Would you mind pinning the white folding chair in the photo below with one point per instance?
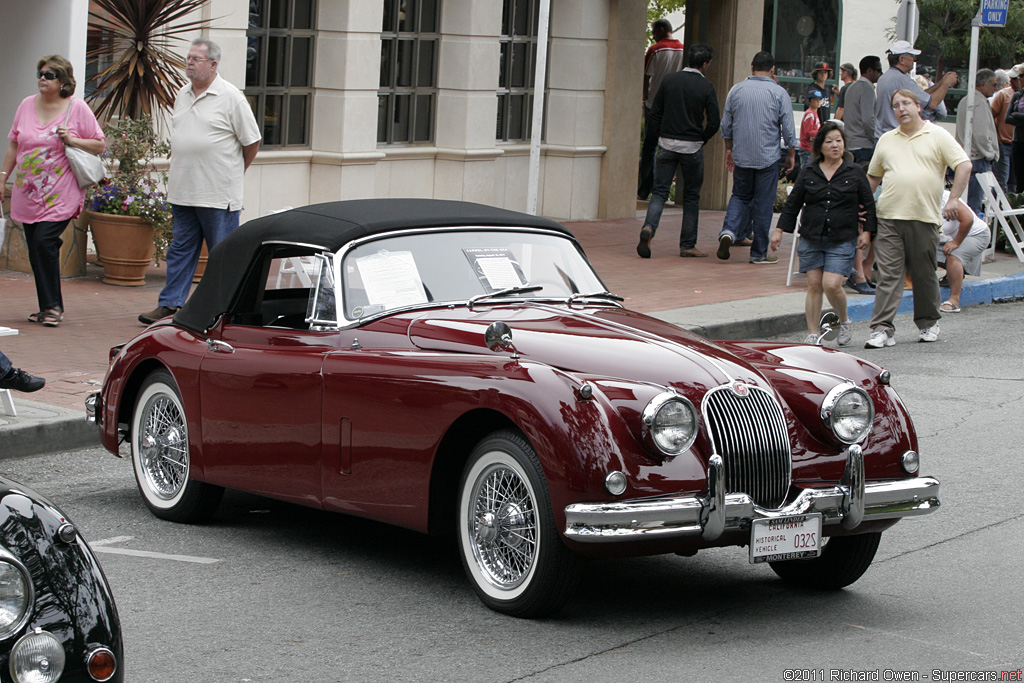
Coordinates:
(6, 401)
(796, 241)
(1000, 214)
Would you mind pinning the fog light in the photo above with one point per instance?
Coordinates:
(615, 483)
(37, 657)
(911, 462)
(102, 664)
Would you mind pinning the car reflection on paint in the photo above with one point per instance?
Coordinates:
(455, 368)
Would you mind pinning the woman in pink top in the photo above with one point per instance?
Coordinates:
(46, 195)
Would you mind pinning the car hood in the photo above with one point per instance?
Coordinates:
(596, 341)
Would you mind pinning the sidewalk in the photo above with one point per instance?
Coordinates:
(721, 299)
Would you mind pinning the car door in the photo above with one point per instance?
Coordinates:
(261, 390)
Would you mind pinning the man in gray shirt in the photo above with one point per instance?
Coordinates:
(859, 110)
(902, 56)
(984, 151)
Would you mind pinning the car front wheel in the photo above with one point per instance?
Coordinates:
(161, 458)
(843, 560)
(508, 541)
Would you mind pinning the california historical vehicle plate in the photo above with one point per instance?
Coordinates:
(785, 538)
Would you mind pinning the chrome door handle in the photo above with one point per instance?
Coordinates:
(217, 346)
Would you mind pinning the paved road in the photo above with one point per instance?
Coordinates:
(273, 592)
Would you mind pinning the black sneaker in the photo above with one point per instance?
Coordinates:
(19, 380)
(157, 313)
(644, 248)
(724, 242)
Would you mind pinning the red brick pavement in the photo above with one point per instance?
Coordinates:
(73, 356)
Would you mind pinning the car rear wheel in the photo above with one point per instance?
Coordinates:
(161, 458)
(843, 560)
(508, 541)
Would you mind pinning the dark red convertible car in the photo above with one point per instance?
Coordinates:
(451, 367)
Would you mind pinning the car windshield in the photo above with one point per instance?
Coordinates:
(445, 266)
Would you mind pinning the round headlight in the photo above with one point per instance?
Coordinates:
(16, 596)
(37, 657)
(671, 423)
(848, 411)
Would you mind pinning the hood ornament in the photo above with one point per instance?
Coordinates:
(739, 388)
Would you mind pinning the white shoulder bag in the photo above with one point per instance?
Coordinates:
(88, 168)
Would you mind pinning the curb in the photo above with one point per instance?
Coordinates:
(41, 428)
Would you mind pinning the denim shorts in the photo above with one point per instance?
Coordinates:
(833, 257)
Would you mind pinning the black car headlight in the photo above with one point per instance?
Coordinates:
(848, 411)
(670, 423)
(16, 595)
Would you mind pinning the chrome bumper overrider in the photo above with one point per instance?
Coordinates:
(92, 403)
(708, 517)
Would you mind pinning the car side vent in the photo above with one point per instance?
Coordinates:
(748, 430)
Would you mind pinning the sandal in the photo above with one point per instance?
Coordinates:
(51, 318)
(36, 317)
(949, 307)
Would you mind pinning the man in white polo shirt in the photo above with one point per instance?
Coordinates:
(214, 138)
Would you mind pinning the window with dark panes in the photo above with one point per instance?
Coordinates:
(407, 95)
(516, 69)
(799, 34)
(279, 69)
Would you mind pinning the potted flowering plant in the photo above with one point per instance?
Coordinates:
(129, 215)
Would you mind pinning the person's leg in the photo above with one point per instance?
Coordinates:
(664, 170)
(812, 304)
(889, 254)
(975, 195)
(955, 273)
(1017, 159)
(182, 256)
(691, 177)
(645, 176)
(922, 241)
(832, 284)
(737, 213)
(5, 364)
(44, 242)
(216, 225)
(1002, 167)
(766, 182)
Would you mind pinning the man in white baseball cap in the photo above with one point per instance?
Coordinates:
(902, 56)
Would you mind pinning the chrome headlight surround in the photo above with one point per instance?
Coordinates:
(670, 424)
(17, 594)
(848, 411)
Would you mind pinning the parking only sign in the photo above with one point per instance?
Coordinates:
(993, 12)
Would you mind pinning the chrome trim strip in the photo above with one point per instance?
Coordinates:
(853, 484)
(92, 404)
(681, 517)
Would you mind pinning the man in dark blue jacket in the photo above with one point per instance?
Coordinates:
(684, 117)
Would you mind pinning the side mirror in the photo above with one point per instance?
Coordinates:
(498, 337)
(828, 327)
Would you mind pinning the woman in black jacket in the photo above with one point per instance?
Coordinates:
(1015, 117)
(832, 191)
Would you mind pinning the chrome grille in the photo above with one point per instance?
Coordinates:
(749, 432)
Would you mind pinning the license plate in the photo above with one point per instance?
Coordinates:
(785, 538)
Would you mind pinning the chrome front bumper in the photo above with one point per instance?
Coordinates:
(708, 517)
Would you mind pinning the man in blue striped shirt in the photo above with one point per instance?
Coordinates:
(758, 114)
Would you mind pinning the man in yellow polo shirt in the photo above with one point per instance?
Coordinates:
(912, 159)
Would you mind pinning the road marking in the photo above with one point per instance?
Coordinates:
(101, 547)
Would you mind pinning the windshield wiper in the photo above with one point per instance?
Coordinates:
(594, 295)
(504, 292)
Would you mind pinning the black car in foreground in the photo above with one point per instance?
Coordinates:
(58, 621)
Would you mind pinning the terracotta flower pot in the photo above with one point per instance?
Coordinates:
(126, 243)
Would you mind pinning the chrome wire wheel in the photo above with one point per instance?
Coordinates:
(161, 457)
(163, 446)
(509, 545)
(503, 525)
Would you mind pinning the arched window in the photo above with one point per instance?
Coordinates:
(800, 33)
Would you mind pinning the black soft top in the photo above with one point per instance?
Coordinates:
(330, 226)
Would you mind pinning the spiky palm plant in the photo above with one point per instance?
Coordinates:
(139, 37)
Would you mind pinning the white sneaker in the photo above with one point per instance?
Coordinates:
(879, 339)
(845, 335)
(811, 339)
(929, 334)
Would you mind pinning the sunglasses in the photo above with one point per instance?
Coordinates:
(48, 75)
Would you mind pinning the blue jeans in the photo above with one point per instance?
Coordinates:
(1004, 167)
(5, 364)
(753, 195)
(688, 184)
(975, 195)
(192, 225)
(863, 155)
